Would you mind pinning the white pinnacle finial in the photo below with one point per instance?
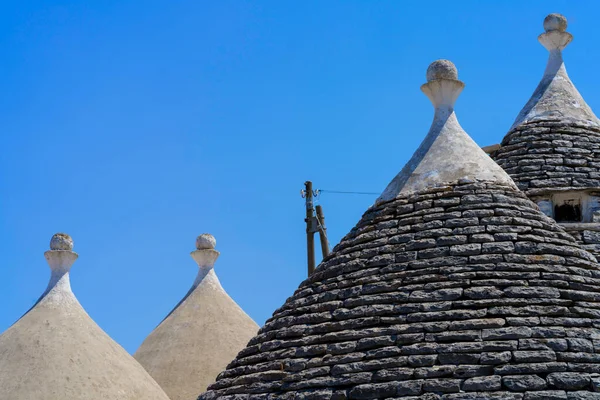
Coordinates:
(60, 258)
(205, 254)
(443, 86)
(556, 36)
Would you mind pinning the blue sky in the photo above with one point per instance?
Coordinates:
(134, 126)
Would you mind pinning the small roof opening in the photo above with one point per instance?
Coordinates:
(568, 211)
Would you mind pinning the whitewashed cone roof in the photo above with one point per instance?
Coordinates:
(447, 153)
(200, 336)
(57, 352)
(556, 97)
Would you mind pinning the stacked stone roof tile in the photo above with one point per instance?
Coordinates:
(551, 155)
(461, 290)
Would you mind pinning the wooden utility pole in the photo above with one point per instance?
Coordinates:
(310, 237)
(314, 223)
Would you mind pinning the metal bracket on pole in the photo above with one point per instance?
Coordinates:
(313, 225)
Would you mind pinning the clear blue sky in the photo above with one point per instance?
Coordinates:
(134, 126)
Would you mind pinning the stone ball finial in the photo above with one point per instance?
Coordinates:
(61, 241)
(205, 241)
(442, 69)
(555, 22)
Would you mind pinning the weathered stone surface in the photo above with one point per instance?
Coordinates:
(482, 383)
(534, 356)
(546, 395)
(521, 383)
(568, 380)
(583, 396)
(373, 391)
(494, 358)
(442, 385)
(506, 333)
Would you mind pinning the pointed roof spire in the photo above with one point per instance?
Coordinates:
(56, 351)
(200, 336)
(556, 97)
(447, 154)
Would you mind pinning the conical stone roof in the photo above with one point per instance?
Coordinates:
(459, 290)
(57, 352)
(200, 336)
(554, 142)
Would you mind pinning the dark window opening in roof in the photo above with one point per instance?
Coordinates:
(568, 211)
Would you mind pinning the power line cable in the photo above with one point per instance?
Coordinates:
(344, 192)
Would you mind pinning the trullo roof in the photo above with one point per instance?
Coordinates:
(554, 142)
(457, 289)
(200, 336)
(57, 352)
